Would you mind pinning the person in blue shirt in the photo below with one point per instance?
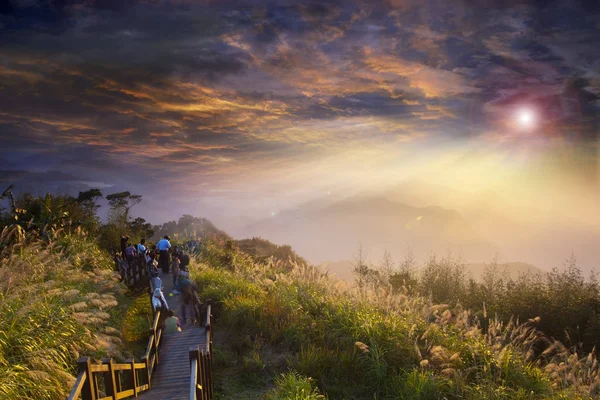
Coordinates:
(141, 247)
(163, 247)
(142, 251)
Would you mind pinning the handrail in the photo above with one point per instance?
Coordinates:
(86, 384)
(201, 385)
(78, 386)
(193, 374)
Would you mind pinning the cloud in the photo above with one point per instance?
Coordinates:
(218, 91)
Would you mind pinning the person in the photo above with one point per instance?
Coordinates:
(124, 240)
(158, 300)
(152, 263)
(184, 260)
(131, 254)
(175, 272)
(188, 289)
(142, 252)
(155, 280)
(159, 303)
(172, 323)
(163, 247)
(141, 248)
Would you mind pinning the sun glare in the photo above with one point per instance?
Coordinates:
(525, 118)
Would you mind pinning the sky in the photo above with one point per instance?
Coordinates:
(243, 109)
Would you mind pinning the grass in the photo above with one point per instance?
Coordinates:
(60, 300)
(369, 344)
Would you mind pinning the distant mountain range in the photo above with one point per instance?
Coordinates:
(334, 231)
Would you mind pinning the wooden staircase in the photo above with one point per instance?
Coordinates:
(176, 365)
(172, 377)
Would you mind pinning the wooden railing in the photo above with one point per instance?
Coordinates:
(134, 273)
(118, 381)
(138, 375)
(111, 380)
(201, 383)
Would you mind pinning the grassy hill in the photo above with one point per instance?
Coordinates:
(261, 250)
(285, 332)
(59, 300)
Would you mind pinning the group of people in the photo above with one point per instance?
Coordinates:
(169, 259)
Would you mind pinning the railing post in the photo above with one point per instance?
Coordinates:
(148, 375)
(109, 379)
(134, 377)
(205, 395)
(194, 376)
(209, 383)
(88, 392)
(153, 347)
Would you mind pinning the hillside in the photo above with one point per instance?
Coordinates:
(261, 250)
(334, 231)
(287, 333)
(187, 227)
(59, 300)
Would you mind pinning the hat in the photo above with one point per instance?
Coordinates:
(157, 292)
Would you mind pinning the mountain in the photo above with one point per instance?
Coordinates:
(334, 231)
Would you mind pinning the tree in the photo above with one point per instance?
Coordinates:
(140, 228)
(88, 200)
(87, 203)
(386, 267)
(364, 275)
(121, 204)
(9, 194)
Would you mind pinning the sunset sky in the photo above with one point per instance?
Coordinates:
(251, 107)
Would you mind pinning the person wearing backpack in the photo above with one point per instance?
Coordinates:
(187, 289)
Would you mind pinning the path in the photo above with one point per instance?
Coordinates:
(171, 380)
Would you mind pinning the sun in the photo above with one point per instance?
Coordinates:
(525, 118)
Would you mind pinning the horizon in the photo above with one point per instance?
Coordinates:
(255, 115)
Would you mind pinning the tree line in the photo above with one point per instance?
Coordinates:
(565, 300)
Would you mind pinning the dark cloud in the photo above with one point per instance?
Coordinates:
(155, 89)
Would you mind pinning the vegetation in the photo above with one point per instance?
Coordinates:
(60, 299)
(262, 250)
(188, 227)
(59, 293)
(567, 304)
(287, 331)
(369, 342)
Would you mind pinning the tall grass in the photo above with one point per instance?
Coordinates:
(365, 344)
(59, 301)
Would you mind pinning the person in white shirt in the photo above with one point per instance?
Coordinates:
(158, 300)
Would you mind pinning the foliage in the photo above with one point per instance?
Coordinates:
(371, 342)
(120, 205)
(59, 300)
(261, 250)
(138, 320)
(292, 386)
(45, 213)
(188, 227)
